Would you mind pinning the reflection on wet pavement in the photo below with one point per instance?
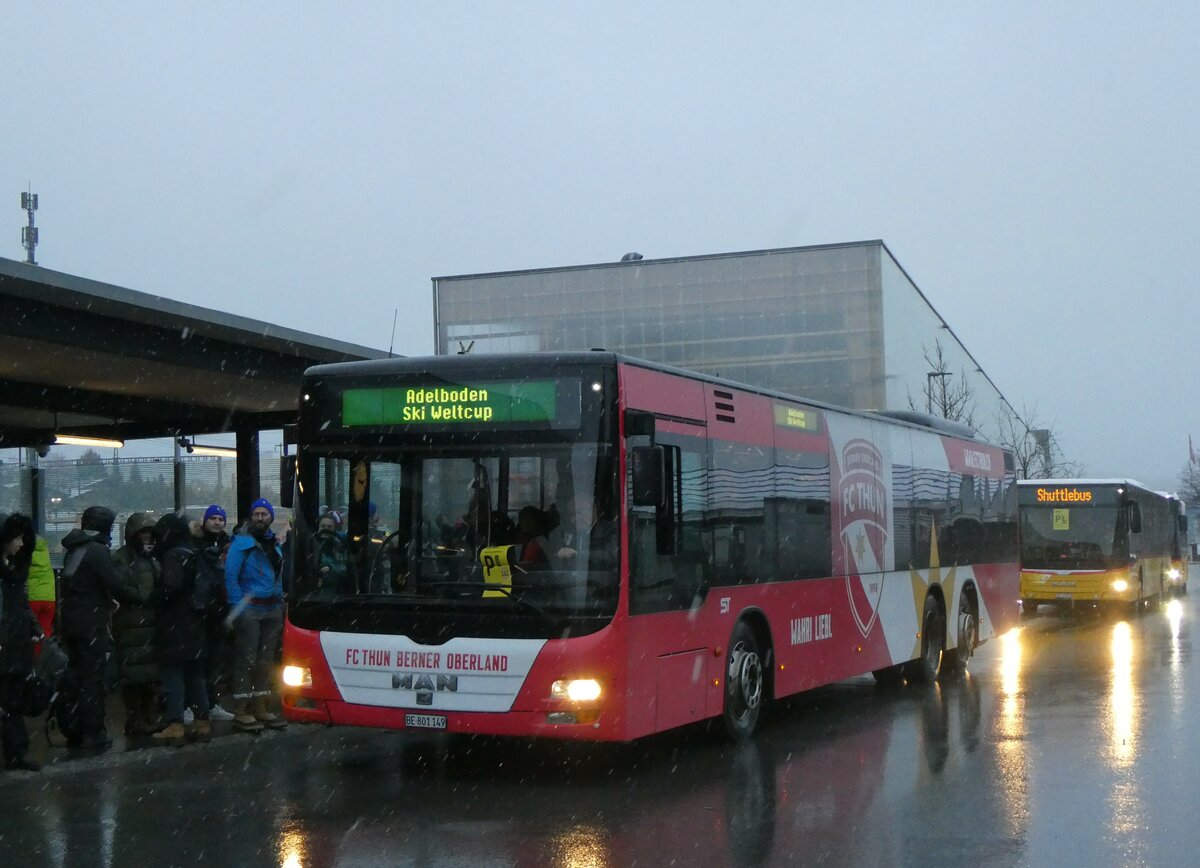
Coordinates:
(1069, 742)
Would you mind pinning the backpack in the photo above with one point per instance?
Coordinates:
(64, 714)
(208, 583)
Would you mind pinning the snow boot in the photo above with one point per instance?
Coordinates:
(174, 734)
(243, 720)
(265, 716)
(201, 731)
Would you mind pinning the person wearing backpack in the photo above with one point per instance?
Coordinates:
(255, 589)
(18, 631)
(179, 632)
(91, 590)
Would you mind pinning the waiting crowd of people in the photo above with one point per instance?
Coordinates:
(180, 611)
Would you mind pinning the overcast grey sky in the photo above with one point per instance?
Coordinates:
(1033, 166)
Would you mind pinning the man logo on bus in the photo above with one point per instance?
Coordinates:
(864, 528)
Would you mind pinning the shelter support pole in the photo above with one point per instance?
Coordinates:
(180, 479)
(37, 491)
(247, 473)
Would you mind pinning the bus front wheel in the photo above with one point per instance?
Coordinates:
(743, 683)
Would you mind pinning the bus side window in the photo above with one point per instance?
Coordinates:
(668, 546)
(741, 480)
(797, 519)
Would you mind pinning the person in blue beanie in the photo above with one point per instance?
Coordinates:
(255, 590)
(212, 542)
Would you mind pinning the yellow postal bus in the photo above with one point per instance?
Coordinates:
(1094, 542)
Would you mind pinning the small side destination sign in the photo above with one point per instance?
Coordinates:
(794, 417)
(452, 404)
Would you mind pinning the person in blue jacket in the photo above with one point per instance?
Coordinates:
(253, 582)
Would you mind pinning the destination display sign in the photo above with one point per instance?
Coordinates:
(546, 402)
(797, 417)
(1067, 495)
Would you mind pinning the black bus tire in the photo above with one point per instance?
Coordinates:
(745, 682)
(967, 628)
(928, 666)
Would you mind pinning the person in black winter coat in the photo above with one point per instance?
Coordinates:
(90, 589)
(19, 630)
(180, 637)
(133, 627)
(212, 542)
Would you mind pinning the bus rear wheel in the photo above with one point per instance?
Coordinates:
(744, 681)
(968, 632)
(928, 666)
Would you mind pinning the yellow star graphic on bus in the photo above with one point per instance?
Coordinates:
(921, 586)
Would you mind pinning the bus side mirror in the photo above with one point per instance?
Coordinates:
(287, 480)
(639, 423)
(1135, 518)
(649, 476)
(1183, 523)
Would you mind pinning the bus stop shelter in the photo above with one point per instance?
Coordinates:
(82, 358)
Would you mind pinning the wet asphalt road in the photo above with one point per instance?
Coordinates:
(1072, 744)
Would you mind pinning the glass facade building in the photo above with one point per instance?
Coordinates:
(843, 323)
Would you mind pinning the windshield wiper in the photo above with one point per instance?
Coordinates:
(520, 598)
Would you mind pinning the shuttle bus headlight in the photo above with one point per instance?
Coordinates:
(1120, 586)
(577, 690)
(1173, 574)
(297, 676)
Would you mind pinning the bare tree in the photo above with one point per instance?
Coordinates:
(944, 393)
(1189, 483)
(1034, 445)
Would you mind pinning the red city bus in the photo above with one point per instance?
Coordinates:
(588, 546)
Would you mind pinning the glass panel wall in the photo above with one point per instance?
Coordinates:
(805, 321)
(913, 338)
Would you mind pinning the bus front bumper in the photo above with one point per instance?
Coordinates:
(574, 723)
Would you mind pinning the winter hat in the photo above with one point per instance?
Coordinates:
(98, 518)
(171, 530)
(214, 510)
(136, 523)
(12, 527)
(265, 504)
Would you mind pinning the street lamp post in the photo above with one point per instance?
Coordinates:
(929, 389)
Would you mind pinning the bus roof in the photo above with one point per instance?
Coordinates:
(421, 364)
(1083, 481)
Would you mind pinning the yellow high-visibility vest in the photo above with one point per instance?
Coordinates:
(41, 574)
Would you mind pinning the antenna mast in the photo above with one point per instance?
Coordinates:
(29, 234)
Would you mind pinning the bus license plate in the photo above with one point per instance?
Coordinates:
(1063, 596)
(425, 721)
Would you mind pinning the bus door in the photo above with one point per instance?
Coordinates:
(668, 575)
(668, 543)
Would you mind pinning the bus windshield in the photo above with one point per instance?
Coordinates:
(1087, 538)
(522, 529)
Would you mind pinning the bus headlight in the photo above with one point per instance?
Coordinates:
(578, 690)
(297, 676)
(1173, 574)
(1120, 586)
